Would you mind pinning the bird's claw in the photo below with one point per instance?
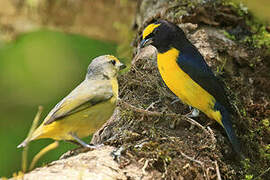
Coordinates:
(116, 154)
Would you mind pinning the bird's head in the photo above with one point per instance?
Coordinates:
(106, 66)
(162, 35)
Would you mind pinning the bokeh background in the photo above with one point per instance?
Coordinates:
(45, 48)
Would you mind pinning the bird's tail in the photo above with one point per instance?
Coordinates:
(31, 137)
(226, 121)
(227, 124)
(24, 143)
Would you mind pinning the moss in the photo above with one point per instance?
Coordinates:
(243, 111)
(241, 9)
(267, 152)
(127, 115)
(247, 168)
(265, 122)
(259, 37)
(150, 146)
(248, 177)
(263, 152)
(180, 13)
(230, 36)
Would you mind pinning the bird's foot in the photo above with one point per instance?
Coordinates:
(116, 154)
(83, 144)
(92, 146)
(194, 112)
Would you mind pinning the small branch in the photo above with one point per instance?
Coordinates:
(198, 162)
(155, 113)
(145, 166)
(197, 124)
(32, 129)
(192, 159)
(42, 152)
(263, 173)
(217, 171)
(151, 105)
(139, 110)
(212, 136)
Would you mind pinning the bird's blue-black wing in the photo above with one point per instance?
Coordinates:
(191, 62)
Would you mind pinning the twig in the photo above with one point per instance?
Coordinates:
(155, 113)
(42, 152)
(196, 123)
(165, 168)
(217, 171)
(145, 166)
(139, 110)
(150, 106)
(263, 173)
(32, 129)
(198, 162)
(212, 136)
(207, 172)
(191, 159)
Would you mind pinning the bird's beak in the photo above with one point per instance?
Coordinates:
(146, 42)
(122, 66)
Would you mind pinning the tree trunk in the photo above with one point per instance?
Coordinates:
(155, 140)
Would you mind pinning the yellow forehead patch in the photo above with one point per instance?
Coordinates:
(149, 29)
(113, 57)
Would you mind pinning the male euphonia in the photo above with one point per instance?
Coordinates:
(187, 75)
(86, 108)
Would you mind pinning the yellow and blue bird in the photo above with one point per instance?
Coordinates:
(185, 72)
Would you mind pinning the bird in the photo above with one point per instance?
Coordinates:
(187, 75)
(86, 108)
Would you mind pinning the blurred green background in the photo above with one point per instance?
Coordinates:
(45, 50)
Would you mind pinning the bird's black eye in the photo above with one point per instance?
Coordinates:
(113, 62)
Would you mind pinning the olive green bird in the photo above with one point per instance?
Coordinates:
(86, 108)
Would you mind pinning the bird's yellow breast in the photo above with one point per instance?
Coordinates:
(181, 84)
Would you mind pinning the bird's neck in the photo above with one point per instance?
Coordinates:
(181, 44)
(114, 84)
(98, 76)
(162, 49)
(178, 43)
